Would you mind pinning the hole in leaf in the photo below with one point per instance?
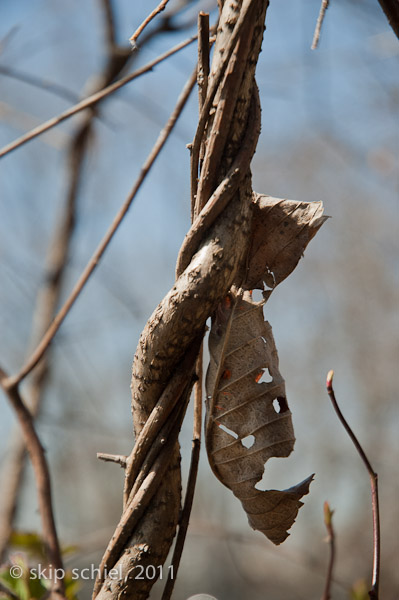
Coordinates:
(229, 431)
(264, 376)
(276, 474)
(257, 295)
(280, 404)
(248, 441)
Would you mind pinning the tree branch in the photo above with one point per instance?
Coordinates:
(91, 100)
(161, 6)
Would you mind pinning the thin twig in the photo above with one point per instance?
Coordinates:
(93, 99)
(93, 262)
(191, 483)
(203, 58)
(161, 6)
(328, 513)
(319, 24)
(42, 476)
(203, 71)
(119, 459)
(373, 593)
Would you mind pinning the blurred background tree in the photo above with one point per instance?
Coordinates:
(329, 132)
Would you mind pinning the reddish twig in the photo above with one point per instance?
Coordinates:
(93, 262)
(93, 99)
(161, 6)
(373, 593)
(42, 475)
(319, 24)
(328, 513)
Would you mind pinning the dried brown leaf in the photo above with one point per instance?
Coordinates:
(281, 231)
(242, 409)
(248, 420)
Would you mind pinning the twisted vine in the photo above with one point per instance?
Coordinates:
(212, 259)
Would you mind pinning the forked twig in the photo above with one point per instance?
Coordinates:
(373, 593)
(93, 99)
(319, 24)
(93, 262)
(161, 6)
(328, 513)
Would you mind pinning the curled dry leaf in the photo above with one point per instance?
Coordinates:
(248, 420)
(281, 231)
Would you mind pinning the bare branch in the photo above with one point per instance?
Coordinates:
(43, 482)
(373, 593)
(93, 262)
(91, 100)
(161, 6)
(319, 24)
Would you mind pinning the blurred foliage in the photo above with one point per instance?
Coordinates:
(21, 578)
